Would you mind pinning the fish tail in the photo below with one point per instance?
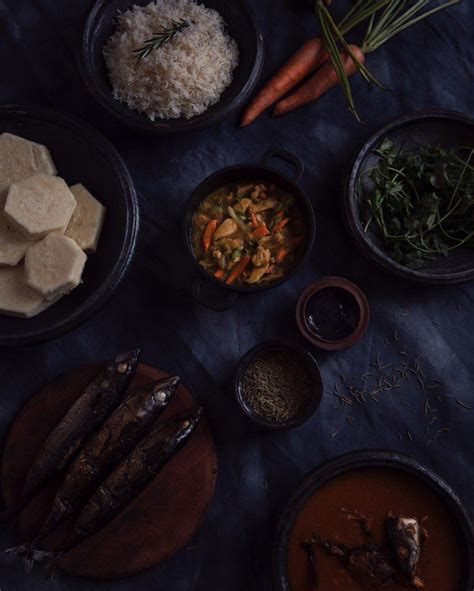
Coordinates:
(30, 555)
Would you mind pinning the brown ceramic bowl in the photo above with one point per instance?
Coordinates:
(340, 332)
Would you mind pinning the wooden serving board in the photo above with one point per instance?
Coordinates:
(160, 521)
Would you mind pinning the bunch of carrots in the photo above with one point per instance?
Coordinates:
(329, 60)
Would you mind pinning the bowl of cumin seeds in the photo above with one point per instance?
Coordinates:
(278, 386)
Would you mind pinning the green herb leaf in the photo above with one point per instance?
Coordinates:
(420, 203)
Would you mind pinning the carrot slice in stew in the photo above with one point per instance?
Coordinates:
(209, 233)
(238, 270)
(261, 231)
(280, 257)
(279, 227)
(219, 274)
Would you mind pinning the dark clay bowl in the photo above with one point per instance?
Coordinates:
(357, 300)
(436, 127)
(211, 292)
(242, 26)
(81, 155)
(364, 459)
(313, 369)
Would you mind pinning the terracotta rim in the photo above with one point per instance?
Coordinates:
(355, 292)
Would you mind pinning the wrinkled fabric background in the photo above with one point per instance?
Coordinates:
(430, 66)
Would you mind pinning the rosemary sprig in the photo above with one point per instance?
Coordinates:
(159, 39)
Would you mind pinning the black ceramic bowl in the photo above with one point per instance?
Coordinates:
(82, 155)
(210, 291)
(438, 128)
(312, 367)
(363, 459)
(242, 26)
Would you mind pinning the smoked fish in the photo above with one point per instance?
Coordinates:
(126, 482)
(107, 448)
(84, 417)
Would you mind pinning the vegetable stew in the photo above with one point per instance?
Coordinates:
(248, 233)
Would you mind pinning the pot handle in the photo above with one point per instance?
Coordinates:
(211, 296)
(286, 157)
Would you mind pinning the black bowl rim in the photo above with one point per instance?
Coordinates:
(139, 121)
(366, 458)
(368, 248)
(312, 364)
(311, 221)
(117, 273)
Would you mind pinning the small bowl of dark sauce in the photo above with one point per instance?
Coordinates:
(278, 386)
(332, 313)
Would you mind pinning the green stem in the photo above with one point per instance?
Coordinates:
(336, 59)
(454, 207)
(382, 34)
(360, 67)
(356, 15)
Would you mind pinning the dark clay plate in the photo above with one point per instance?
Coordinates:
(364, 459)
(436, 127)
(242, 26)
(84, 156)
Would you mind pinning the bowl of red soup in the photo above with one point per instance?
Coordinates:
(373, 519)
(248, 228)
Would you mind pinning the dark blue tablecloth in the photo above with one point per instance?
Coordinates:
(431, 66)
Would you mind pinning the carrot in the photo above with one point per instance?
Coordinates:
(279, 227)
(219, 274)
(281, 255)
(261, 231)
(304, 61)
(208, 234)
(238, 269)
(322, 81)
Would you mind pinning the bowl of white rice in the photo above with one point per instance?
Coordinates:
(171, 66)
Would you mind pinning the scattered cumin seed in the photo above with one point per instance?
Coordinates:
(427, 407)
